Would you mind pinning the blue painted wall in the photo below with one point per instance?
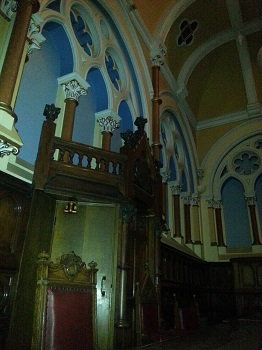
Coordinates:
(236, 218)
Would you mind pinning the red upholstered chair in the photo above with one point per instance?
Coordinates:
(65, 304)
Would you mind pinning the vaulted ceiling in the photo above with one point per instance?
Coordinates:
(212, 52)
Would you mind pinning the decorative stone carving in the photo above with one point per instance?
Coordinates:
(6, 149)
(108, 123)
(217, 204)
(73, 89)
(251, 200)
(35, 43)
(186, 200)
(194, 201)
(157, 54)
(176, 189)
(8, 7)
(200, 173)
(210, 203)
(165, 173)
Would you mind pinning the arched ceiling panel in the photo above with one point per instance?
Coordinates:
(216, 85)
(254, 42)
(207, 27)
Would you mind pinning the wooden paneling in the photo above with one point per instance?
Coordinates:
(14, 212)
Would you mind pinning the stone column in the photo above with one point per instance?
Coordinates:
(251, 202)
(211, 222)
(10, 69)
(108, 125)
(176, 190)
(187, 217)
(127, 212)
(74, 86)
(156, 102)
(219, 226)
(15, 49)
(194, 201)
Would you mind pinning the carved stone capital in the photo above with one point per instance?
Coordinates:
(165, 173)
(108, 124)
(9, 7)
(194, 201)
(251, 200)
(217, 204)
(186, 200)
(176, 189)
(73, 85)
(210, 203)
(34, 35)
(157, 54)
(73, 89)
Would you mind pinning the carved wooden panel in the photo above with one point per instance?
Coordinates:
(14, 212)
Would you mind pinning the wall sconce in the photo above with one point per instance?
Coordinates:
(71, 207)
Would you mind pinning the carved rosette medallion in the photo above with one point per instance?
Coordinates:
(71, 264)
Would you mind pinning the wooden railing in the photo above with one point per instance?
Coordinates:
(87, 157)
(60, 161)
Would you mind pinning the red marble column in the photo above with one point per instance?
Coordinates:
(219, 226)
(251, 202)
(69, 118)
(187, 217)
(15, 50)
(156, 102)
(176, 209)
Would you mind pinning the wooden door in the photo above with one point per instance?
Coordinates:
(92, 234)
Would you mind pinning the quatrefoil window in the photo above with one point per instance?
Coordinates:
(187, 30)
(82, 32)
(112, 70)
(246, 163)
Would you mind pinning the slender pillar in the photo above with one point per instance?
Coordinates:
(156, 102)
(15, 50)
(108, 125)
(74, 87)
(10, 142)
(127, 211)
(195, 219)
(187, 216)
(251, 202)
(211, 222)
(219, 226)
(176, 190)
